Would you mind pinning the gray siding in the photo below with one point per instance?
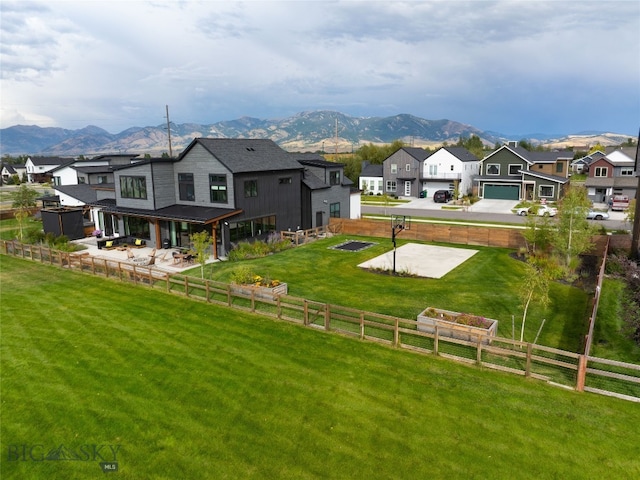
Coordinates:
(201, 163)
(163, 187)
(137, 171)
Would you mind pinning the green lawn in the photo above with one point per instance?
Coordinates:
(191, 390)
(487, 284)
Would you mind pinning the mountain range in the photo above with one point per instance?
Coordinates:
(317, 131)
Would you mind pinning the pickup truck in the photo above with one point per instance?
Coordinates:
(540, 210)
(619, 202)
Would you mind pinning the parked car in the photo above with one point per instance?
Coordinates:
(595, 215)
(540, 210)
(619, 202)
(442, 196)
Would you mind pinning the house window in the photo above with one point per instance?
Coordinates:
(626, 172)
(452, 168)
(391, 186)
(545, 191)
(380, 184)
(433, 170)
(102, 179)
(407, 167)
(285, 181)
(394, 168)
(515, 169)
(56, 181)
(81, 181)
(600, 172)
(133, 187)
(218, 188)
(334, 177)
(185, 187)
(493, 169)
(250, 188)
(559, 167)
(334, 210)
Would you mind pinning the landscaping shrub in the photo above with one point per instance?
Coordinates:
(621, 266)
(258, 248)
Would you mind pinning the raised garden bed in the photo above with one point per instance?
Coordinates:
(259, 291)
(463, 326)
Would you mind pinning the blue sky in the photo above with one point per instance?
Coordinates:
(514, 67)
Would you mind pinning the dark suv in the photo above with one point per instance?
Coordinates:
(442, 196)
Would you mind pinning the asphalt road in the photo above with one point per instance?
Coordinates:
(473, 216)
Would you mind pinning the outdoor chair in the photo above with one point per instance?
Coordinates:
(130, 254)
(153, 253)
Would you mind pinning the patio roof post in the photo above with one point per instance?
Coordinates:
(214, 240)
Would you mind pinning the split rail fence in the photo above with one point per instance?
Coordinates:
(558, 367)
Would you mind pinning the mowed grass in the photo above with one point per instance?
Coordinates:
(487, 284)
(191, 390)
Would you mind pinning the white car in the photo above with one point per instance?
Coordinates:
(542, 211)
(595, 215)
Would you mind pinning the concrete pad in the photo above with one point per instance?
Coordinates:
(429, 261)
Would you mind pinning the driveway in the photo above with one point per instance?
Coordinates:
(493, 206)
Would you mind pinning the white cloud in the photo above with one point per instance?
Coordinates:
(510, 66)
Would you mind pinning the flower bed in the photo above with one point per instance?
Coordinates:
(259, 291)
(463, 326)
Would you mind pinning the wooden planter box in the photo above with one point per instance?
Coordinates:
(448, 326)
(270, 293)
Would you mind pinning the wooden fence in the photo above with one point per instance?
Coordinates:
(558, 367)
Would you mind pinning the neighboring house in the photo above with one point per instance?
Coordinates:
(513, 173)
(97, 170)
(235, 189)
(449, 168)
(402, 172)
(371, 179)
(611, 175)
(325, 193)
(39, 168)
(8, 171)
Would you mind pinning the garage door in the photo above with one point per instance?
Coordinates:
(502, 192)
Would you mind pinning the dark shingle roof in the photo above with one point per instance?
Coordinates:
(83, 192)
(371, 170)
(241, 155)
(50, 160)
(417, 152)
(461, 154)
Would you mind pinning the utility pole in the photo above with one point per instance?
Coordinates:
(169, 132)
(635, 235)
(336, 152)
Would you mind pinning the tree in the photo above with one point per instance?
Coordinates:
(537, 234)
(573, 232)
(596, 148)
(201, 242)
(536, 281)
(473, 144)
(23, 199)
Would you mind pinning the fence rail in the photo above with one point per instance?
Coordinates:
(558, 367)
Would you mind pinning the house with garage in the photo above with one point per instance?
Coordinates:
(514, 173)
(39, 168)
(402, 172)
(449, 168)
(613, 174)
(95, 171)
(325, 191)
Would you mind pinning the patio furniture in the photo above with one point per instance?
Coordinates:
(130, 254)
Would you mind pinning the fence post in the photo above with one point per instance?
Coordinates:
(527, 371)
(186, 285)
(327, 315)
(479, 351)
(435, 340)
(361, 325)
(582, 373)
(305, 319)
(207, 290)
(396, 332)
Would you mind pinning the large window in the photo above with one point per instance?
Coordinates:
(514, 169)
(251, 188)
(433, 170)
(133, 187)
(334, 177)
(545, 191)
(334, 210)
(218, 188)
(257, 227)
(559, 167)
(600, 172)
(186, 187)
(626, 172)
(493, 169)
(391, 186)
